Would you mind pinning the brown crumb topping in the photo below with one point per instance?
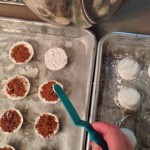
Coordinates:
(10, 121)
(48, 93)
(46, 125)
(16, 87)
(20, 53)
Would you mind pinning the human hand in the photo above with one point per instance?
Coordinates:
(113, 136)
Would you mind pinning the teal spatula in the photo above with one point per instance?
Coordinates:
(94, 135)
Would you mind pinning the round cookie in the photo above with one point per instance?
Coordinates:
(129, 98)
(17, 87)
(47, 94)
(46, 125)
(130, 135)
(128, 69)
(11, 121)
(6, 147)
(21, 52)
(55, 59)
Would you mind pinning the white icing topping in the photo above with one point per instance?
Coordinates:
(55, 59)
(128, 69)
(129, 98)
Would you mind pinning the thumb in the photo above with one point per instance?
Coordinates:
(95, 146)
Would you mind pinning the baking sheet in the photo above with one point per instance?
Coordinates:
(112, 48)
(12, 2)
(76, 78)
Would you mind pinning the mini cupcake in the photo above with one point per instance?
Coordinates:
(11, 121)
(46, 125)
(55, 59)
(6, 147)
(21, 52)
(17, 87)
(46, 92)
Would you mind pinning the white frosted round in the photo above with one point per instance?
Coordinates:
(130, 135)
(55, 59)
(128, 69)
(30, 49)
(6, 146)
(129, 98)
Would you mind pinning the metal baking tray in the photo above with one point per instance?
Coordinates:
(112, 48)
(80, 46)
(12, 2)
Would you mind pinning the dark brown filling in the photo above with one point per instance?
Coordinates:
(46, 125)
(16, 87)
(5, 148)
(48, 93)
(10, 121)
(20, 53)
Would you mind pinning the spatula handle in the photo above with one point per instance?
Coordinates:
(96, 137)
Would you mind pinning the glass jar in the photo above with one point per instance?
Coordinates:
(74, 13)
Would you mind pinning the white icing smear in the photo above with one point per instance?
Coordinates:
(3, 55)
(30, 72)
